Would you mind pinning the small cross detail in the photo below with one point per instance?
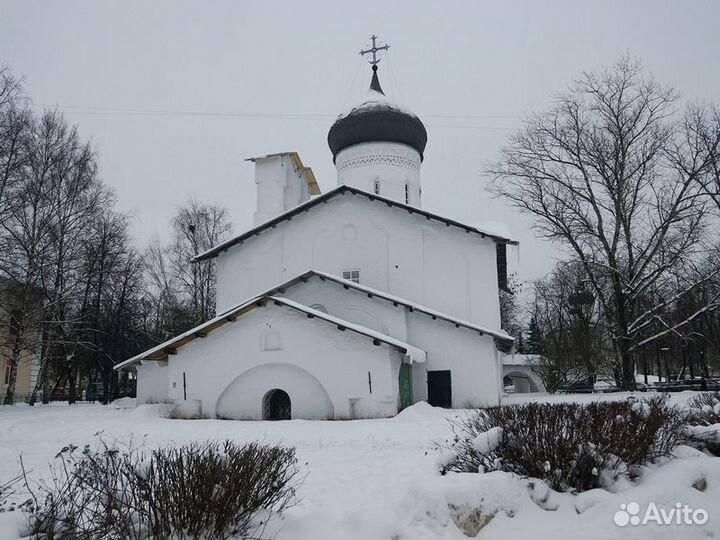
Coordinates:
(374, 50)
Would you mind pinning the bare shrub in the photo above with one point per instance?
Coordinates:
(7, 490)
(216, 490)
(203, 490)
(572, 446)
(89, 495)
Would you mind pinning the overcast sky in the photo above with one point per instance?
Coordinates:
(271, 76)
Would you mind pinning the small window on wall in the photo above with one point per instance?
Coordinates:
(271, 341)
(377, 187)
(352, 275)
(6, 378)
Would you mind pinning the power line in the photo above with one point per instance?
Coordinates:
(77, 109)
(120, 111)
(261, 115)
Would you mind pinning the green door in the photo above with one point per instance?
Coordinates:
(405, 385)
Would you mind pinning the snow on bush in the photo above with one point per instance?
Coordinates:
(572, 446)
(704, 420)
(488, 441)
(704, 409)
(202, 490)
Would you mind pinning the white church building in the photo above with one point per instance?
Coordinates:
(353, 303)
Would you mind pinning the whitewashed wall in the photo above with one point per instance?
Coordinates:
(279, 187)
(324, 370)
(424, 261)
(152, 382)
(471, 357)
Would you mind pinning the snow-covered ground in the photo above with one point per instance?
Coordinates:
(377, 479)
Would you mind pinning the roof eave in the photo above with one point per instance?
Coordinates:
(169, 347)
(498, 336)
(286, 216)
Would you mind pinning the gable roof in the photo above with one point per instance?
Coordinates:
(498, 335)
(326, 197)
(169, 347)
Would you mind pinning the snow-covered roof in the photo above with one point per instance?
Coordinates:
(377, 119)
(326, 197)
(521, 359)
(373, 100)
(169, 347)
(396, 300)
(499, 228)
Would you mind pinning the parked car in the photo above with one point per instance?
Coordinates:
(588, 386)
(580, 387)
(59, 394)
(604, 386)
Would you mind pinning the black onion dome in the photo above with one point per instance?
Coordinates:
(377, 120)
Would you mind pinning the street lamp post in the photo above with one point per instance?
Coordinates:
(665, 361)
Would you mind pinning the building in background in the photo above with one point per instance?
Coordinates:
(28, 344)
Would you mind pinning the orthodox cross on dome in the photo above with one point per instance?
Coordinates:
(374, 50)
(375, 83)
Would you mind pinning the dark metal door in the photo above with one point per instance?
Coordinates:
(439, 388)
(276, 405)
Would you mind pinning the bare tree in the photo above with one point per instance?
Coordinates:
(701, 126)
(15, 122)
(55, 195)
(26, 240)
(612, 174)
(197, 227)
(76, 197)
(15, 128)
(72, 286)
(182, 293)
(683, 319)
(108, 304)
(569, 330)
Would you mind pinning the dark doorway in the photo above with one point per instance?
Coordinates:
(439, 388)
(276, 405)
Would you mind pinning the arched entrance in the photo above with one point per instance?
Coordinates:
(244, 397)
(520, 381)
(276, 405)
